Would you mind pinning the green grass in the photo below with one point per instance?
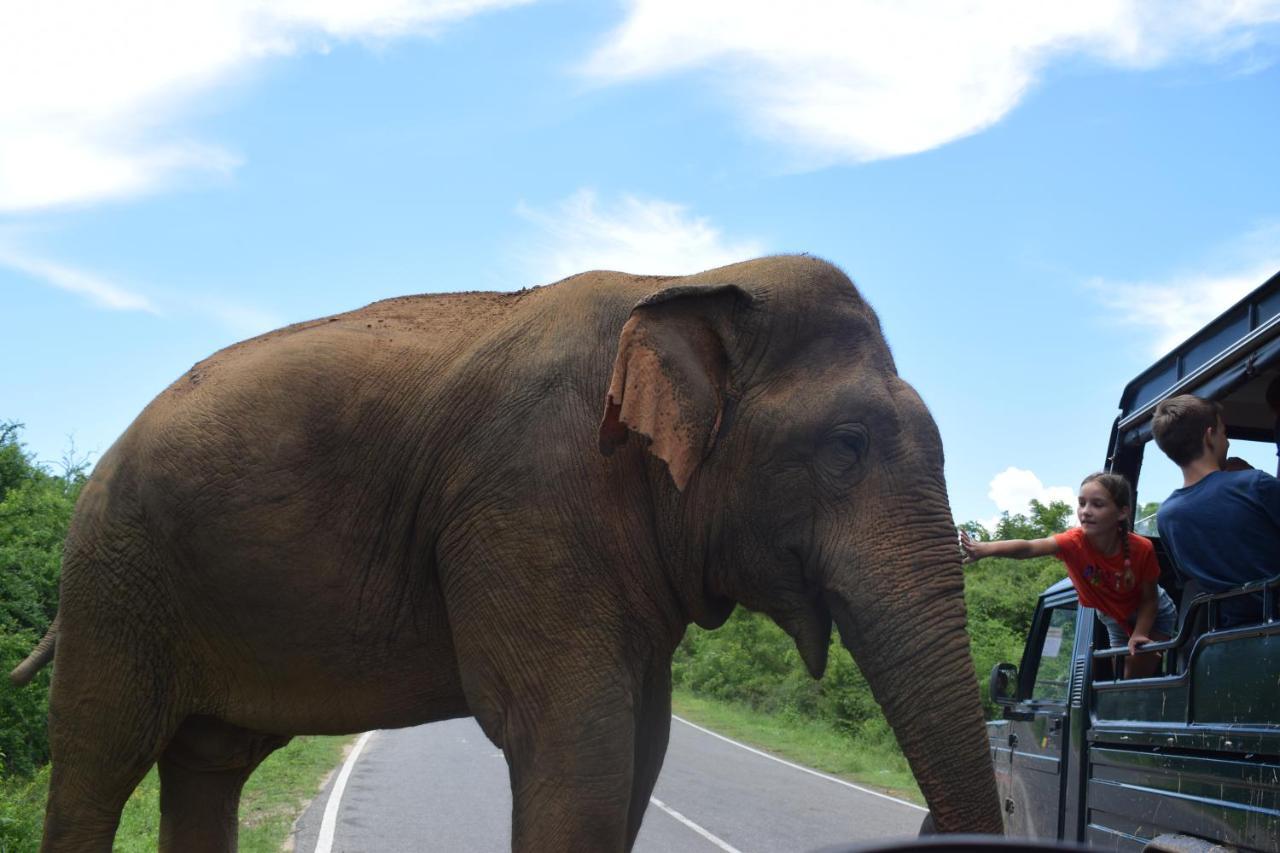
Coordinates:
(871, 758)
(280, 789)
(272, 800)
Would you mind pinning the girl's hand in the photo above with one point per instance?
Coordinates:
(1136, 640)
(973, 551)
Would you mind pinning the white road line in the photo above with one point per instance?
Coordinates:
(798, 767)
(722, 844)
(329, 823)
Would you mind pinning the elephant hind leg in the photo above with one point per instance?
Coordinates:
(104, 734)
(85, 803)
(202, 773)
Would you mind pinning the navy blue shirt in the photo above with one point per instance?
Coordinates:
(1278, 447)
(1224, 531)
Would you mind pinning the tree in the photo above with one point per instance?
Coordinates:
(1000, 594)
(1041, 520)
(35, 508)
(1054, 518)
(1144, 520)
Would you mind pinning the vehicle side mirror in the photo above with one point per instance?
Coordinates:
(1004, 684)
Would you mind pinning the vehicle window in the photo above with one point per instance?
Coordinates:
(1053, 674)
(1159, 477)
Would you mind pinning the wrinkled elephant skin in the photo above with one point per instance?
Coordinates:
(507, 505)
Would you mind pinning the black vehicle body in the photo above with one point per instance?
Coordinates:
(1192, 755)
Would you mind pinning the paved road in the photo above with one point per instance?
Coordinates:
(444, 786)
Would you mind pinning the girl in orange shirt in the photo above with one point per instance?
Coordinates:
(1113, 570)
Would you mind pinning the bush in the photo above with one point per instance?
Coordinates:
(22, 811)
(1005, 591)
(1000, 596)
(24, 740)
(35, 508)
(752, 662)
(746, 660)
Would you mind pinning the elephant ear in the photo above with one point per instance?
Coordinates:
(670, 379)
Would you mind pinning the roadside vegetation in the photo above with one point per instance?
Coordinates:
(745, 679)
(35, 506)
(275, 795)
(273, 798)
(874, 762)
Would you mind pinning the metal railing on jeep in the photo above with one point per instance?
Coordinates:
(1203, 615)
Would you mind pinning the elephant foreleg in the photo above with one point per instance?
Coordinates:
(202, 772)
(569, 796)
(571, 765)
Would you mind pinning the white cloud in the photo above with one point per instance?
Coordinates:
(97, 290)
(89, 92)
(240, 319)
(1172, 309)
(1013, 489)
(857, 80)
(636, 235)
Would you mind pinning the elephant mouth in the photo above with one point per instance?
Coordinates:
(715, 611)
(842, 615)
(813, 635)
(808, 617)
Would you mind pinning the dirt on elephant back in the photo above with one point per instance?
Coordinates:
(424, 318)
(439, 313)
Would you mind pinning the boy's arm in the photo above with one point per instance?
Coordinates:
(1145, 619)
(1268, 490)
(1015, 549)
(1269, 494)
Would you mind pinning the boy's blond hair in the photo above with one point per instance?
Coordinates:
(1180, 424)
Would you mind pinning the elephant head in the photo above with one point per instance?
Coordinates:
(806, 481)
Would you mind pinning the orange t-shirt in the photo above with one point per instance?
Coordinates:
(1100, 579)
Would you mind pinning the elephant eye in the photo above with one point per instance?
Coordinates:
(847, 445)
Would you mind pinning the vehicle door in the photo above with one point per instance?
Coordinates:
(1037, 724)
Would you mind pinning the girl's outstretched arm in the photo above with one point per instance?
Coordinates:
(1016, 549)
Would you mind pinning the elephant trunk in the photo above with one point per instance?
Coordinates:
(907, 633)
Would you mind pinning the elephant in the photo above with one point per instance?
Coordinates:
(507, 505)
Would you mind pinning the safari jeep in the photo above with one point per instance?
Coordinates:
(1190, 758)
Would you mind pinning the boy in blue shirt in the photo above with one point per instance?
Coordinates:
(1222, 528)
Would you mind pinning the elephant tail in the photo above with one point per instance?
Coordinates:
(43, 653)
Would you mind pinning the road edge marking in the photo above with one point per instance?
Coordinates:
(329, 823)
(719, 842)
(799, 767)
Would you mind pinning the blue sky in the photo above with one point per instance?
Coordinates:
(1038, 201)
